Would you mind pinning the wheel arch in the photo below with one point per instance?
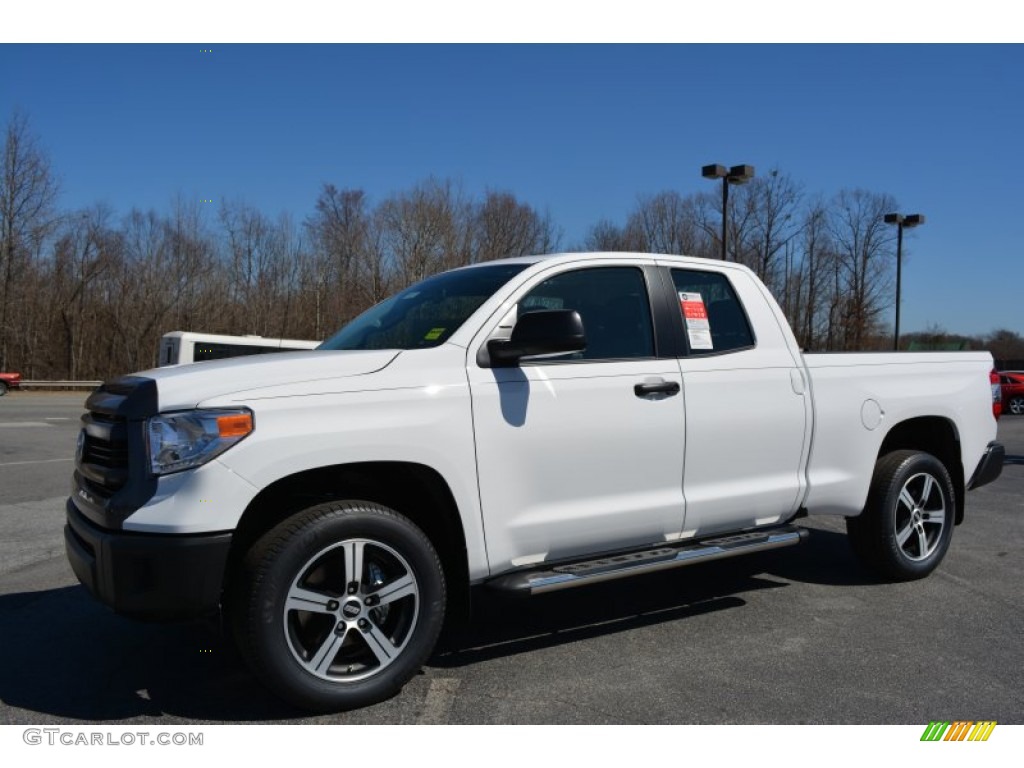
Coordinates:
(939, 437)
(415, 491)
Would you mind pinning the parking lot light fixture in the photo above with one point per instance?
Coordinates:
(901, 221)
(737, 174)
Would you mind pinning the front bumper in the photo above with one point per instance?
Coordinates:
(157, 577)
(990, 466)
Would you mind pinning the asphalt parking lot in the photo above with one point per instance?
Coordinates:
(801, 635)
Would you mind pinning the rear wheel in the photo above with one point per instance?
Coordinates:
(3, 388)
(907, 524)
(342, 605)
(1017, 405)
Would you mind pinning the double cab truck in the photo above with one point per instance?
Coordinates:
(527, 425)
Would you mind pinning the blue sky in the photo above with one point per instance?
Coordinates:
(576, 130)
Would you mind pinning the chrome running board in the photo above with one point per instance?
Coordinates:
(634, 563)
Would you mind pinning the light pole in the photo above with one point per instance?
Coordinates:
(738, 174)
(901, 221)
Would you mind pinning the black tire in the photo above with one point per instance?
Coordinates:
(907, 524)
(1016, 406)
(3, 388)
(357, 643)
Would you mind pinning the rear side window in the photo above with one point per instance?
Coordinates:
(713, 317)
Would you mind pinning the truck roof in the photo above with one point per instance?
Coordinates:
(574, 255)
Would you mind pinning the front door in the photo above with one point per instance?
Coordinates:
(582, 453)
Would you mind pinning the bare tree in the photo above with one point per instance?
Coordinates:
(774, 201)
(665, 223)
(340, 231)
(505, 227)
(809, 286)
(606, 236)
(193, 270)
(142, 288)
(28, 191)
(1007, 347)
(83, 251)
(134, 295)
(287, 278)
(739, 225)
(427, 230)
(92, 298)
(255, 261)
(864, 247)
(375, 272)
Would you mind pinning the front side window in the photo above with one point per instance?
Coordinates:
(614, 307)
(713, 317)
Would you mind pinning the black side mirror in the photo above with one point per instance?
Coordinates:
(541, 332)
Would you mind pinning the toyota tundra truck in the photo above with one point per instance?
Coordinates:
(527, 425)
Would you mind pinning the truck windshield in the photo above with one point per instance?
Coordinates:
(425, 314)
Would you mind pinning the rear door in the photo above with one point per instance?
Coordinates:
(747, 408)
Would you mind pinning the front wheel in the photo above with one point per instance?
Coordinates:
(3, 388)
(341, 606)
(907, 524)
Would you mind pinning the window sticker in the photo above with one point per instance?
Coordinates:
(434, 334)
(695, 316)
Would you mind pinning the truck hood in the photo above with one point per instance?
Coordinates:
(186, 386)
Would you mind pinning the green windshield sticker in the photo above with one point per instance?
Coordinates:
(434, 334)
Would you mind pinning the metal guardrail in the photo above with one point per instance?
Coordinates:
(59, 384)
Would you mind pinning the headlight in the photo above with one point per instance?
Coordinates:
(188, 439)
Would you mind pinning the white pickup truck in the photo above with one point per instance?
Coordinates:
(530, 425)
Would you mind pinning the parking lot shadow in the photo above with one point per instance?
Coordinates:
(826, 558)
(68, 657)
(504, 626)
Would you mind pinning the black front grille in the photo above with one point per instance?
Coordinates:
(104, 459)
(110, 455)
(112, 478)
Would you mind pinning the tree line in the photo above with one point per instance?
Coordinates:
(86, 294)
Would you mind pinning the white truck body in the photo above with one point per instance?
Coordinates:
(552, 460)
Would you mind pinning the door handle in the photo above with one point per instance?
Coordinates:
(656, 388)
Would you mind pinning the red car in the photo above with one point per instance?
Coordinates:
(1012, 383)
(9, 381)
